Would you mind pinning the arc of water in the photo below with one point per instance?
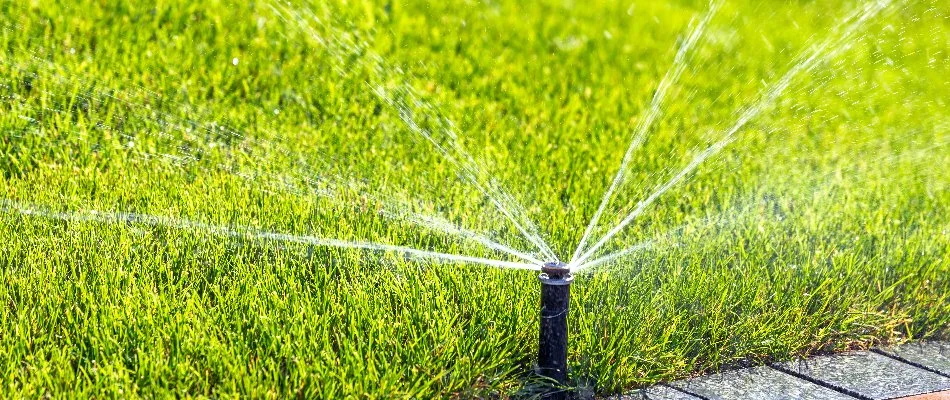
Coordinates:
(397, 212)
(807, 62)
(730, 218)
(448, 227)
(469, 170)
(10, 206)
(644, 124)
(175, 123)
(454, 152)
(713, 221)
(614, 256)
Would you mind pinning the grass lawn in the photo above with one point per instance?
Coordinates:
(170, 172)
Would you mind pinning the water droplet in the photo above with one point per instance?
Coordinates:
(234, 61)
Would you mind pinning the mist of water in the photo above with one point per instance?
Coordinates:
(829, 47)
(246, 232)
(264, 150)
(429, 123)
(438, 130)
(654, 110)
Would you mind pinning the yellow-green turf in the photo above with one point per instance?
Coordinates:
(823, 227)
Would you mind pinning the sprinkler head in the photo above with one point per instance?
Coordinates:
(552, 345)
(555, 271)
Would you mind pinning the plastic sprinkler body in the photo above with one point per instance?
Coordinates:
(552, 348)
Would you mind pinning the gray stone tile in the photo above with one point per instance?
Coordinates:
(869, 374)
(656, 393)
(761, 383)
(933, 355)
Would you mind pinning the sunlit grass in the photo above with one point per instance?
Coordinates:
(823, 227)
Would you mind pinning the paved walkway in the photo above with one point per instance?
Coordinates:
(913, 371)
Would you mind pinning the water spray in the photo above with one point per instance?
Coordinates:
(556, 281)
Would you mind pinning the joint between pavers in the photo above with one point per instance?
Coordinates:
(898, 358)
(818, 382)
(682, 390)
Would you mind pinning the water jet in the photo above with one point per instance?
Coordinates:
(556, 281)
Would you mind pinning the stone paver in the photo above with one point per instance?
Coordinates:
(656, 393)
(932, 355)
(761, 383)
(913, 371)
(868, 375)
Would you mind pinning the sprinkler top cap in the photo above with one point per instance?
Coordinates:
(556, 270)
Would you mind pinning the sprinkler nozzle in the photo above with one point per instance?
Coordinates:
(555, 270)
(556, 281)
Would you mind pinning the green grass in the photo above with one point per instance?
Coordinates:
(824, 227)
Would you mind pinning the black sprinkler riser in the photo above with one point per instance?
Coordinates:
(552, 348)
